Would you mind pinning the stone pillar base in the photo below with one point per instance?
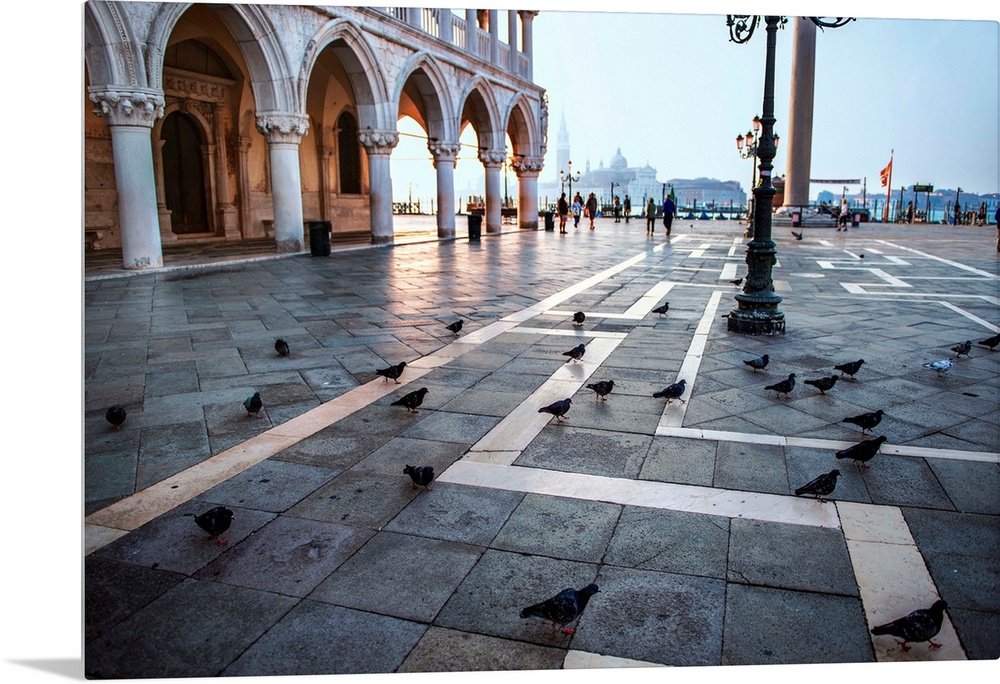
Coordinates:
(381, 239)
(766, 321)
(166, 222)
(228, 223)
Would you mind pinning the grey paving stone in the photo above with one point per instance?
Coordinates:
(358, 498)
(193, 630)
(484, 402)
(573, 529)
(447, 650)
(771, 626)
(470, 515)
(903, 481)
(978, 631)
(751, 467)
(788, 556)
(461, 428)
(804, 464)
(971, 487)
(684, 461)
(392, 457)
(333, 447)
(399, 575)
(169, 449)
(115, 590)
(582, 450)
(670, 541)
(635, 415)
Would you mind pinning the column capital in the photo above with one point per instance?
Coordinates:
(492, 158)
(444, 152)
(378, 141)
(282, 127)
(527, 167)
(128, 107)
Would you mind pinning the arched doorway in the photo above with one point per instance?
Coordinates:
(348, 154)
(184, 174)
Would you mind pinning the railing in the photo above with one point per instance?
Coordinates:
(430, 22)
(522, 65)
(397, 12)
(482, 43)
(458, 32)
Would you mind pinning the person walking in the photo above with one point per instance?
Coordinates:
(577, 209)
(845, 211)
(669, 209)
(617, 207)
(562, 206)
(650, 216)
(627, 208)
(909, 212)
(592, 209)
(981, 216)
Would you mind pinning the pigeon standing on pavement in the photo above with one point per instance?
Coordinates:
(759, 363)
(253, 405)
(562, 608)
(579, 317)
(737, 282)
(672, 392)
(920, 625)
(116, 416)
(559, 409)
(821, 486)
(392, 372)
(602, 388)
(851, 368)
(942, 366)
(420, 475)
(784, 387)
(963, 348)
(823, 384)
(281, 347)
(662, 309)
(455, 327)
(412, 400)
(576, 353)
(862, 452)
(866, 421)
(991, 342)
(215, 522)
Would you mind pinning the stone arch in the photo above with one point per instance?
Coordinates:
(479, 107)
(521, 127)
(422, 75)
(111, 50)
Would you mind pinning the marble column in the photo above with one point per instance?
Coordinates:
(492, 161)
(325, 154)
(130, 115)
(243, 186)
(494, 38)
(283, 133)
(800, 115)
(226, 218)
(512, 40)
(471, 34)
(379, 144)
(527, 170)
(527, 41)
(445, 155)
(166, 225)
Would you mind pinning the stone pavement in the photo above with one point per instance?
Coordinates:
(682, 513)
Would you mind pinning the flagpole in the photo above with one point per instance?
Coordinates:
(888, 190)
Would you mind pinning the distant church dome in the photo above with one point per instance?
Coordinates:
(618, 162)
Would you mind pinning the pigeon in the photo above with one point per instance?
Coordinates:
(821, 486)
(991, 342)
(866, 421)
(215, 522)
(579, 317)
(920, 625)
(662, 310)
(253, 405)
(558, 409)
(850, 368)
(823, 384)
(862, 452)
(412, 400)
(672, 392)
(281, 347)
(760, 363)
(963, 348)
(602, 388)
(116, 416)
(784, 387)
(798, 236)
(392, 372)
(562, 608)
(737, 282)
(942, 366)
(420, 475)
(455, 327)
(576, 353)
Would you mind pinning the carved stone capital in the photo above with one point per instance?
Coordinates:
(131, 107)
(283, 128)
(527, 167)
(378, 142)
(444, 151)
(491, 158)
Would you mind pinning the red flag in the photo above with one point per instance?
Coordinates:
(886, 172)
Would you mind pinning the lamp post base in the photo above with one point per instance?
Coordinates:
(756, 321)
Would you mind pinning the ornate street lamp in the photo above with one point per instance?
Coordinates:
(757, 310)
(567, 177)
(746, 146)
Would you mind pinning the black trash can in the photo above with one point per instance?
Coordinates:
(550, 223)
(855, 220)
(475, 226)
(319, 237)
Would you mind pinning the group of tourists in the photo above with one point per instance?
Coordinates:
(588, 208)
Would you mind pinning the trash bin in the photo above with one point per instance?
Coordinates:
(475, 226)
(550, 223)
(796, 219)
(319, 237)
(855, 220)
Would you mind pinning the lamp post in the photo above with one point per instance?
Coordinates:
(567, 177)
(757, 310)
(746, 146)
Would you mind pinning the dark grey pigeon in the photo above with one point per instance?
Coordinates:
(866, 421)
(562, 608)
(455, 327)
(215, 522)
(576, 353)
(920, 625)
(963, 348)
(672, 392)
(559, 409)
(850, 368)
(116, 416)
(991, 342)
(253, 405)
(392, 372)
(821, 486)
(737, 282)
(662, 309)
(760, 363)
(602, 388)
(412, 400)
(822, 384)
(784, 387)
(862, 452)
(798, 236)
(281, 347)
(579, 317)
(420, 475)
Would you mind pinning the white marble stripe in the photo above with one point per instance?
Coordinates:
(571, 333)
(971, 316)
(728, 271)
(582, 660)
(894, 259)
(892, 281)
(649, 301)
(875, 251)
(985, 274)
(646, 493)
